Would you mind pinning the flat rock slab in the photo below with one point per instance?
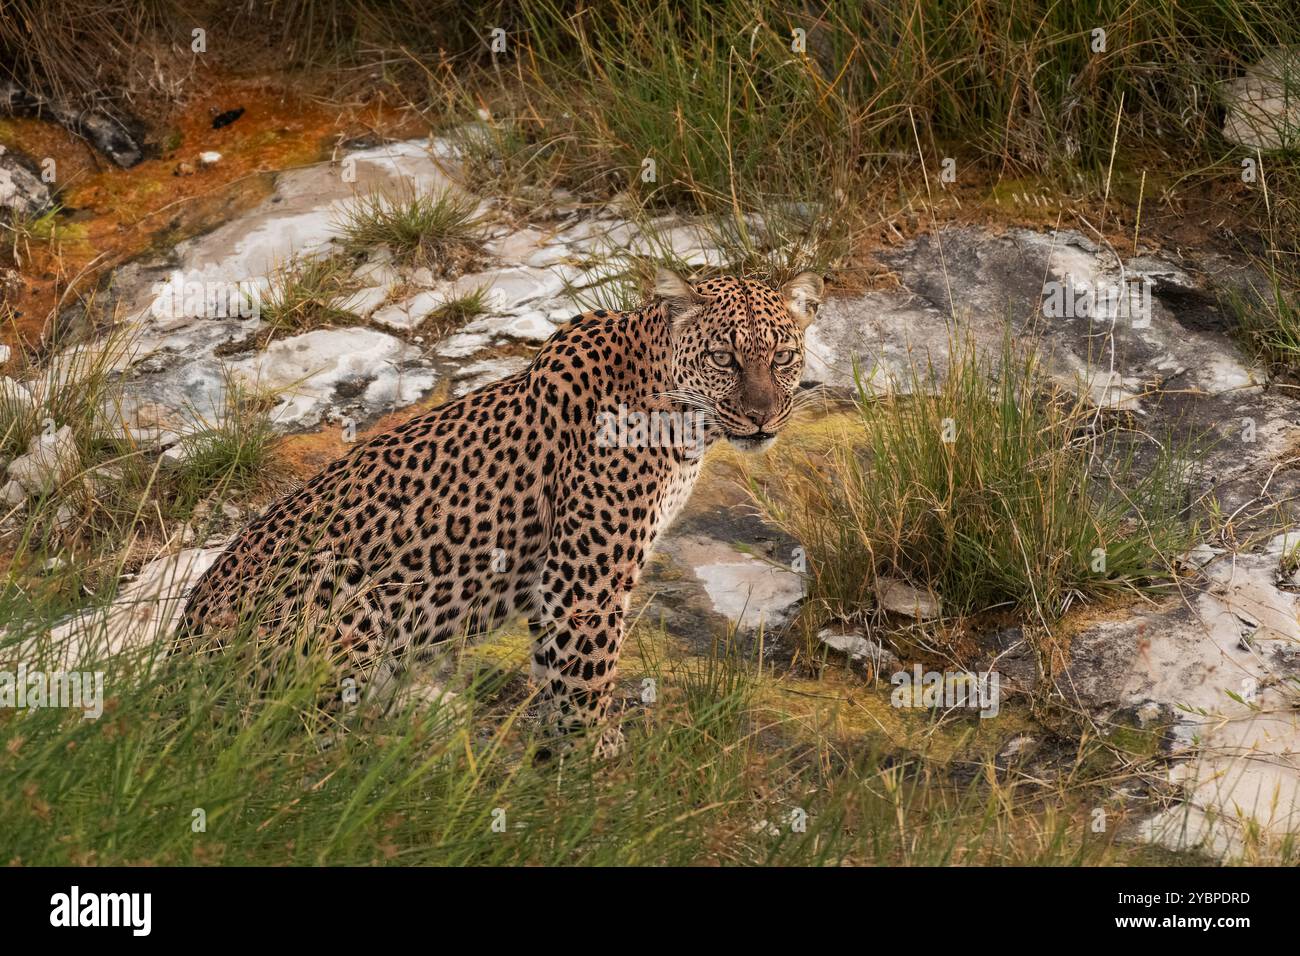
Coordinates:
(1224, 659)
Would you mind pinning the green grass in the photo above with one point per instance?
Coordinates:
(118, 498)
(824, 144)
(307, 294)
(456, 312)
(712, 777)
(1269, 322)
(987, 485)
(229, 453)
(787, 159)
(440, 230)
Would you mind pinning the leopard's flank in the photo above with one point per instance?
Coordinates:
(513, 500)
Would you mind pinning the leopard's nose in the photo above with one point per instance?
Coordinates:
(761, 419)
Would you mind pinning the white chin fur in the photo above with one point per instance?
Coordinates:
(753, 445)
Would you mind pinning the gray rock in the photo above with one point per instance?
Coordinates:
(21, 192)
(52, 458)
(1263, 107)
(858, 647)
(899, 597)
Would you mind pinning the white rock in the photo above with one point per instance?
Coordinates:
(564, 313)
(65, 517)
(143, 612)
(547, 255)
(378, 270)
(14, 394)
(50, 460)
(364, 301)
(409, 313)
(508, 290)
(1263, 110)
(209, 158)
(1201, 555)
(306, 369)
(859, 648)
(485, 372)
(899, 597)
(515, 247)
(389, 391)
(529, 327)
(750, 592)
(463, 344)
(12, 494)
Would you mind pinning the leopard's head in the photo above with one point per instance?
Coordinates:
(738, 350)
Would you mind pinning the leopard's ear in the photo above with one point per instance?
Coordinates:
(803, 295)
(676, 293)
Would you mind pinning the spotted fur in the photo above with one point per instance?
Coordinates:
(511, 501)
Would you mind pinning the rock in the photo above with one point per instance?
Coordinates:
(990, 278)
(1183, 829)
(899, 597)
(547, 256)
(1201, 555)
(21, 190)
(51, 459)
(515, 247)
(1018, 749)
(209, 158)
(563, 313)
(105, 479)
(507, 290)
(860, 648)
(13, 494)
(748, 591)
(365, 301)
(143, 612)
(65, 518)
(484, 372)
(529, 327)
(106, 133)
(1226, 697)
(14, 394)
(183, 168)
(409, 313)
(311, 370)
(1263, 109)
(463, 345)
(378, 270)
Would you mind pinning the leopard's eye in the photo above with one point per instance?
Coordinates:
(722, 358)
(783, 358)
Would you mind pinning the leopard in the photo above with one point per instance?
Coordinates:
(529, 497)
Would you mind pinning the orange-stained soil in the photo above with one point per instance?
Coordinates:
(112, 214)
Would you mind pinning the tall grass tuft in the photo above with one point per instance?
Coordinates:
(986, 484)
(308, 293)
(441, 230)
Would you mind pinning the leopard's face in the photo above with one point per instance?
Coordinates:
(738, 351)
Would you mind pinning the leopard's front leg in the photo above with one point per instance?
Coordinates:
(575, 663)
(586, 582)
